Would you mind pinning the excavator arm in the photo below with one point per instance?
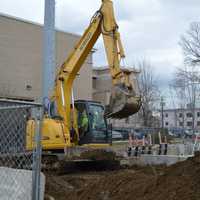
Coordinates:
(124, 101)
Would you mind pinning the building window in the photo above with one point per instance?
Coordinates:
(180, 123)
(198, 114)
(180, 115)
(28, 87)
(166, 115)
(189, 123)
(198, 123)
(189, 115)
(166, 123)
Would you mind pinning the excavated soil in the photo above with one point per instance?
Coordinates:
(177, 182)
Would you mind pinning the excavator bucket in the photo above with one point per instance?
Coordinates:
(123, 103)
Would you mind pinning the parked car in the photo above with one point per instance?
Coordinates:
(124, 133)
(116, 135)
(176, 132)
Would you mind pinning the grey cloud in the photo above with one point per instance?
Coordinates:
(30, 10)
(149, 28)
(75, 17)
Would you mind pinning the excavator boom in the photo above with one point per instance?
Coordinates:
(123, 100)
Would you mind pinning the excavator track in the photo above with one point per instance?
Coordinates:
(89, 160)
(51, 164)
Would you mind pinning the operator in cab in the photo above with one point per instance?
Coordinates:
(84, 122)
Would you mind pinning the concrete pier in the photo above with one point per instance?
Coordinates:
(144, 160)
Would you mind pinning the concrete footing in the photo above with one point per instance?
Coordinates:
(17, 184)
(144, 160)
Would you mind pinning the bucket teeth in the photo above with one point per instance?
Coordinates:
(123, 103)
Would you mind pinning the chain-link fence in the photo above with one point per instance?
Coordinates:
(20, 177)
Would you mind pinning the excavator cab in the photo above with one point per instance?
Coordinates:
(89, 128)
(92, 124)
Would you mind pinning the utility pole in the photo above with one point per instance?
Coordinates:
(48, 76)
(162, 104)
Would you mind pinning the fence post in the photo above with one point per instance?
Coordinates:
(37, 156)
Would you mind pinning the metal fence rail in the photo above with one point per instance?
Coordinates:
(19, 168)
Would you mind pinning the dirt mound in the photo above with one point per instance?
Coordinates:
(177, 182)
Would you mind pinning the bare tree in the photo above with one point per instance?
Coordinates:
(148, 90)
(186, 85)
(190, 43)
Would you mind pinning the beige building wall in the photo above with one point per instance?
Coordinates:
(21, 60)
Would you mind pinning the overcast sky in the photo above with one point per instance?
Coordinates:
(149, 29)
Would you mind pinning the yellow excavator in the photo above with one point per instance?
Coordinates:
(73, 123)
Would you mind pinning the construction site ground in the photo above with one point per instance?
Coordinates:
(180, 181)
